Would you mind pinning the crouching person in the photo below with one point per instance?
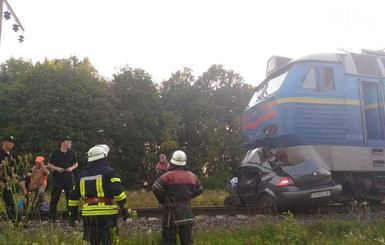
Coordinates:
(38, 182)
(98, 185)
(174, 190)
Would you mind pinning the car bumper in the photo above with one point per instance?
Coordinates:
(312, 196)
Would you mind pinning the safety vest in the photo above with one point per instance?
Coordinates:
(98, 185)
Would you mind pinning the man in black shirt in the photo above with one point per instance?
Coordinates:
(62, 162)
(5, 190)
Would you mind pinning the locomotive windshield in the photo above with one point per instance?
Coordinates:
(252, 156)
(271, 86)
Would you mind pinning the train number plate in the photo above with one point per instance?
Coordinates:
(320, 194)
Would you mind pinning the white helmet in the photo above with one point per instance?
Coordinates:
(179, 158)
(97, 152)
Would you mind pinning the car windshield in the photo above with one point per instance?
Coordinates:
(267, 89)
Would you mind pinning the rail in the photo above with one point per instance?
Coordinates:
(232, 211)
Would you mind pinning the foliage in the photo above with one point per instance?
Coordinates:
(47, 235)
(210, 198)
(290, 232)
(137, 118)
(215, 181)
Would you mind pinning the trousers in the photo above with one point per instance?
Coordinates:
(177, 219)
(101, 229)
(59, 184)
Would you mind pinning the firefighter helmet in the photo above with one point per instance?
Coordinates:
(179, 158)
(105, 148)
(97, 152)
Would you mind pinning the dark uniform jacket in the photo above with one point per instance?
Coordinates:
(100, 184)
(5, 170)
(175, 189)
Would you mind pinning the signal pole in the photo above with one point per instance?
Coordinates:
(18, 24)
(1, 17)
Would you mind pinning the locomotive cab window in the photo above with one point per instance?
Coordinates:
(327, 78)
(319, 78)
(269, 87)
(310, 80)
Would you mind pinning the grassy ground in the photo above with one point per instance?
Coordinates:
(143, 198)
(287, 231)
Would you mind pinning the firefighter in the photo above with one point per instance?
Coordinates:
(98, 185)
(174, 190)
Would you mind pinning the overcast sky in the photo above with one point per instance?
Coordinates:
(163, 36)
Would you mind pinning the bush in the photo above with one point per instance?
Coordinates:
(215, 181)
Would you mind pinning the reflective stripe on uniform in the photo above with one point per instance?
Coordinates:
(94, 213)
(156, 185)
(100, 209)
(99, 187)
(73, 203)
(115, 180)
(82, 189)
(99, 176)
(120, 197)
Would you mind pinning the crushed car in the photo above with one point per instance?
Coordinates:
(264, 182)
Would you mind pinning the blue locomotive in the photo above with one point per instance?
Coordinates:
(327, 108)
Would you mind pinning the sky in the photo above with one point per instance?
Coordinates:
(163, 36)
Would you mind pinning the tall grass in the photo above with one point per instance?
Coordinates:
(143, 198)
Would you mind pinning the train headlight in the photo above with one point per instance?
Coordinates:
(269, 130)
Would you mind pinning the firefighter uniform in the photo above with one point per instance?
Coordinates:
(174, 190)
(98, 185)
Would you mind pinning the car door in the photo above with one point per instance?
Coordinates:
(249, 177)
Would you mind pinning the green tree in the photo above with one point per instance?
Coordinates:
(139, 108)
(56, 98)
(41, 102)
(209, 110)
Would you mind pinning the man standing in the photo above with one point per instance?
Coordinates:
(98, 185)
(174, 190)
(62, 162)
(5, 173)
(162, 166)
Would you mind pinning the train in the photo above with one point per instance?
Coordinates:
(327, 108)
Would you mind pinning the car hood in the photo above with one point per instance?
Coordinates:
(309, 174)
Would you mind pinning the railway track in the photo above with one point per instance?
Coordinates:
(231, 211)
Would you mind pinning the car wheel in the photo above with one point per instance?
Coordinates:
(231, 201)
(267, 204)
